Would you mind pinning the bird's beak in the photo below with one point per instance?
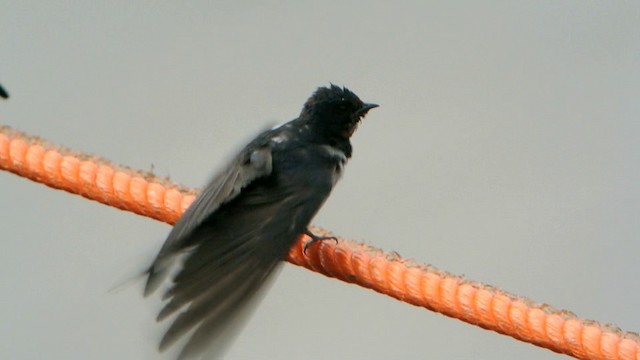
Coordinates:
(366, 107)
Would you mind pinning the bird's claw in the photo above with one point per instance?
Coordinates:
(315, 238)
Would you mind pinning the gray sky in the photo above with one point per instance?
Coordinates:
(505, 149)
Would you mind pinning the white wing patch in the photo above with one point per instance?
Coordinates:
(258, 164)
(279, 138)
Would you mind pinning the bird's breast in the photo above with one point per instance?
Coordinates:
(338, 160)
(313, 167)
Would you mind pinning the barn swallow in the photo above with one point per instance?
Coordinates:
(235, 234)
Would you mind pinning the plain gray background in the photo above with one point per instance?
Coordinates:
(506, 149)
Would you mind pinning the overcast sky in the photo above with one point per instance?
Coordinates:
(506, 149)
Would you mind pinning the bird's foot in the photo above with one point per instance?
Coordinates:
(315, 238)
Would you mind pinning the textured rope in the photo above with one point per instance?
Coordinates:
(386, 273)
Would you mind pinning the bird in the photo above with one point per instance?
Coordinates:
(3, 93)
(232, 238)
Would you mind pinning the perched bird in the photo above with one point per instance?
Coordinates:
(237, 231)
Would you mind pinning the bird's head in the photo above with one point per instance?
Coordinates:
(335, 111)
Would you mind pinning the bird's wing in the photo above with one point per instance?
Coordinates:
(234, 252)
(239, 249)
(253, 162)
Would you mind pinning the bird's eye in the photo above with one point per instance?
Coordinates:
(343, 107)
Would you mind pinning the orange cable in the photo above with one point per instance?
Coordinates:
(386, 273)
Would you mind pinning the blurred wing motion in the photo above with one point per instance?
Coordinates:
(232, 238)
(250, 164)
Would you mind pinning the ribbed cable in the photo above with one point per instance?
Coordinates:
(386, 273)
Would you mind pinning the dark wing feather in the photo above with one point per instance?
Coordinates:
(253, 162)
(234, 236)
(239, 247)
